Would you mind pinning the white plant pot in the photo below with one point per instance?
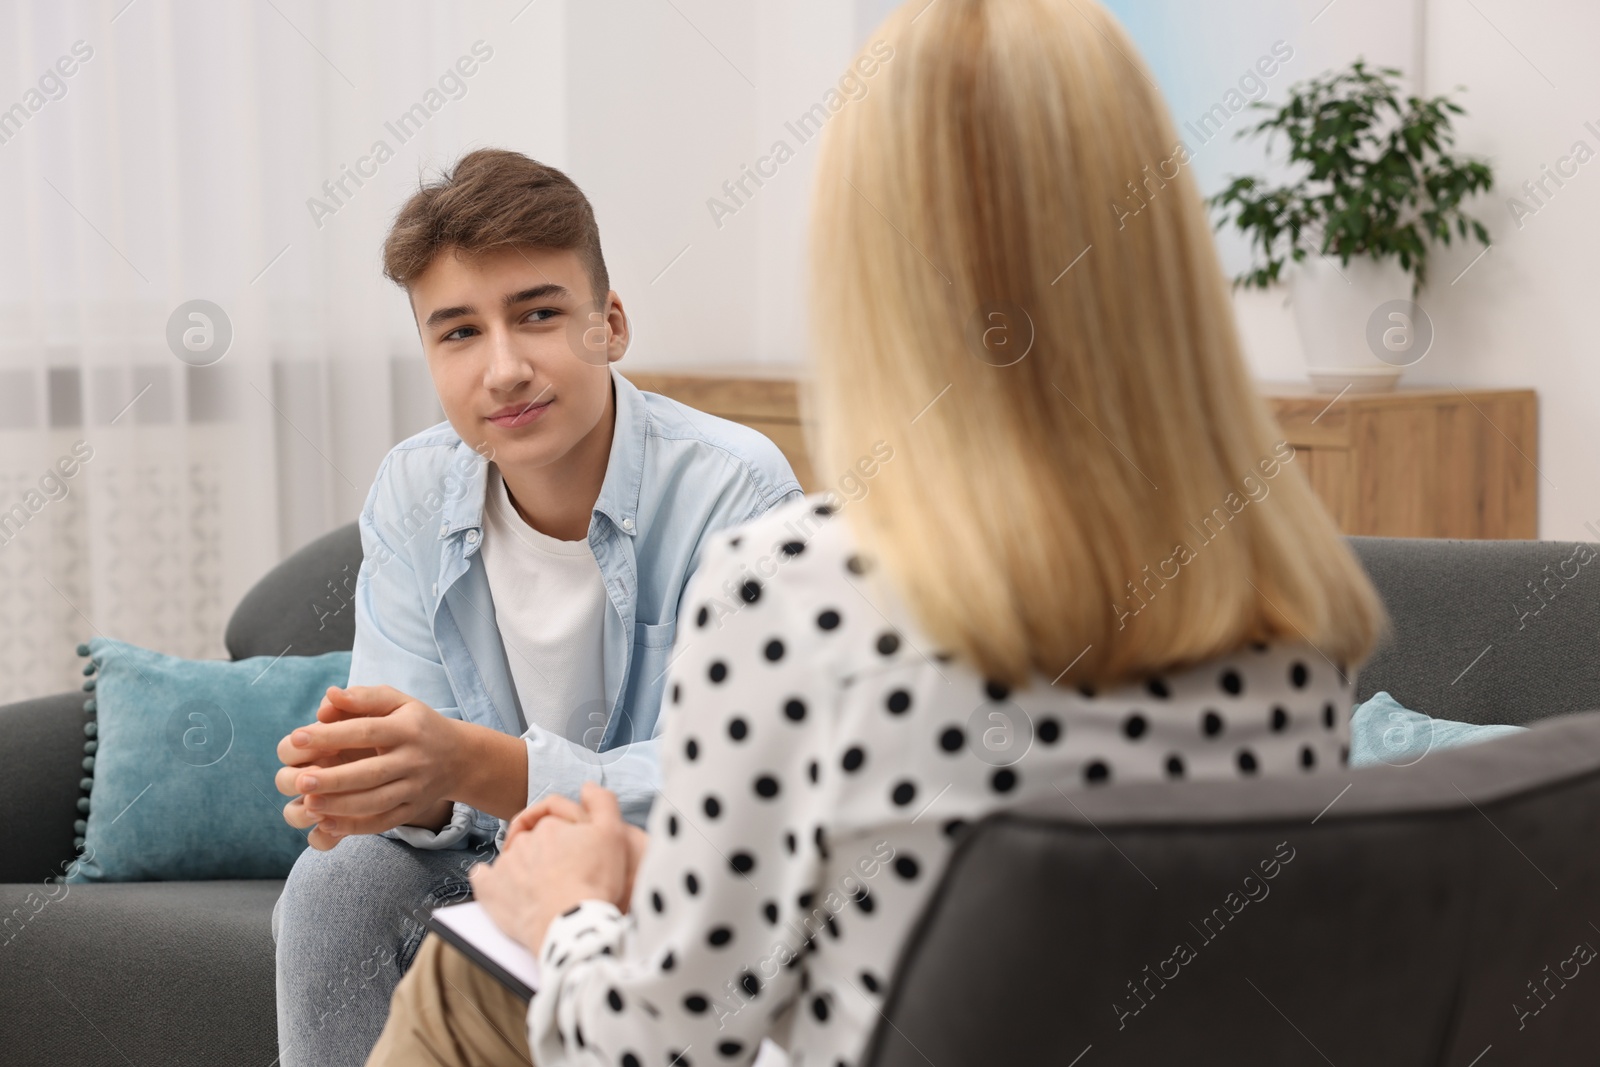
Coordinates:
(1344, 315)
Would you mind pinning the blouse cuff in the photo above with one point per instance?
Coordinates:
(589, 929)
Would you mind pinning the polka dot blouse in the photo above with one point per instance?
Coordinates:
(819, 758)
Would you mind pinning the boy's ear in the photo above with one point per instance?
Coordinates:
(599, 333)
(619, 330)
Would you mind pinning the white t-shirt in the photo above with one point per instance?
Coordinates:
(549, 603)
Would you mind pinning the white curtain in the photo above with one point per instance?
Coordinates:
(159, 152)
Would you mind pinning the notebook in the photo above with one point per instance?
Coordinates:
(469, 928)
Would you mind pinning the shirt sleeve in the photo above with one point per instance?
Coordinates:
(712, 947)
(455, 834)
(557, 765)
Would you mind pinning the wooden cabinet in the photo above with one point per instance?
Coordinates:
(765, 397)
(1417, 462)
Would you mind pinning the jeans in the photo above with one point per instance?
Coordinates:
(346, 928)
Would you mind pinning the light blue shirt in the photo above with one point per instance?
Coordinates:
(425, 621)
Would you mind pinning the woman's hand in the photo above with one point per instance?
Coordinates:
(557, 862)
(561, 807)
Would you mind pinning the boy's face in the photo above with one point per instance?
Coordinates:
(519, 352)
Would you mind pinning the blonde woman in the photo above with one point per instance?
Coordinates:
(1082, 559)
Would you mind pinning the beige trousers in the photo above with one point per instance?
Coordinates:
(448, 1012)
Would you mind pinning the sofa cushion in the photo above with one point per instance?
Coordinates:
(142, 973)
(1486, 631)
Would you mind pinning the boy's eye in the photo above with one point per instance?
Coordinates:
(541, 315)
(460, 333)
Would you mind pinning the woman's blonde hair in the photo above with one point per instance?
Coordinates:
(1014, 288)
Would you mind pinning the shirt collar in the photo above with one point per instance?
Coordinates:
(619, 491)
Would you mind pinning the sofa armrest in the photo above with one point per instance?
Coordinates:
(41, 764)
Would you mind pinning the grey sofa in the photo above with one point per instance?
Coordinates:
(182, 973)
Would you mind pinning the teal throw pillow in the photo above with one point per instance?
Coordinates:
(180, 757)
(1382, 730)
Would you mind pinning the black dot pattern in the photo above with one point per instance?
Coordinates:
(823, 757)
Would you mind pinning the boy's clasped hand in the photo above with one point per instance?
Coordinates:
(374, 759)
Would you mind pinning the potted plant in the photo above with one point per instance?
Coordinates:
(1375, 185)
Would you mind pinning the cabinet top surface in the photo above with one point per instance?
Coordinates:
(1294, 390)
(1402, 394)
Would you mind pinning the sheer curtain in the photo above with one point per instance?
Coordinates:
(158, 455)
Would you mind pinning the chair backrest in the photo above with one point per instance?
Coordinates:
(1429, 913)
(304, 606)
(1486, 631)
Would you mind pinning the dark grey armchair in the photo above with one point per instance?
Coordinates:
(174, 973)
(1432, 914)
(1439, 913)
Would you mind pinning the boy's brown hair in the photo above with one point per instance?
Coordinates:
(494, 199)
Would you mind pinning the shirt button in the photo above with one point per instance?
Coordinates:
(627, 524)
(435, 588)
(444, 529)
(472, 537)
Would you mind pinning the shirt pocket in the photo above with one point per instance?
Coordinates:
(652, 651)
(655, 635)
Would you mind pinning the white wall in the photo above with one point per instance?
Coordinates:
(666, 102)
(1525, 315)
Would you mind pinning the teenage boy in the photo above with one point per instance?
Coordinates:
(516, 605)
